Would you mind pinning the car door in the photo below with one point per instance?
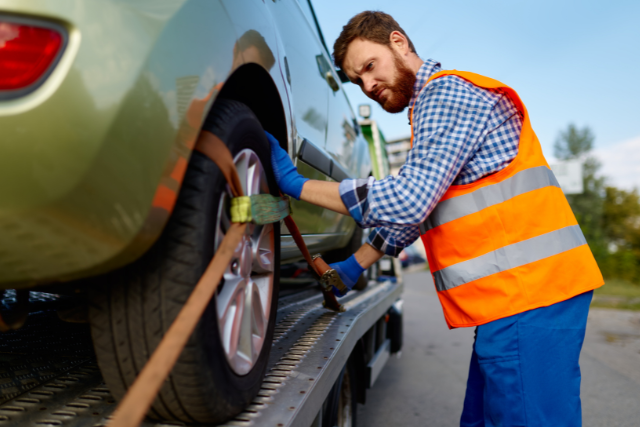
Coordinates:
(309, 97)
(344, 145)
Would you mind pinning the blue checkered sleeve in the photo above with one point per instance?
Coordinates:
(354, 196)
(392, 241)
(461, 133)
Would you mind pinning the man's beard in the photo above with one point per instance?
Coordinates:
(402, 88)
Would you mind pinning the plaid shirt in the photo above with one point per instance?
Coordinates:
(461, 133)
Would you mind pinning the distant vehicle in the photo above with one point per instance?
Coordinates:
(410, 256)
(103, 196)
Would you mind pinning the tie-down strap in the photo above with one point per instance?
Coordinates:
(135, 404)
(265, 209)
(330, 278)
(214, 148)
(259, 208)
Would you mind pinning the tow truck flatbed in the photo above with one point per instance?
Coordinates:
(49, 383)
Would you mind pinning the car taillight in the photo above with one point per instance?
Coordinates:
(26, 52)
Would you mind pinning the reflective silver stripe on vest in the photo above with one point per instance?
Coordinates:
(457, 207)
(510, 256)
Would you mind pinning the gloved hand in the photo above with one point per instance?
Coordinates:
(287, 176)
(349, 271)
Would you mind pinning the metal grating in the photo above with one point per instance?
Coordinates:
(48, 375)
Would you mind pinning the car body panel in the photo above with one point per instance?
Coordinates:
(93, 159)
(309, 90)
(84, 179)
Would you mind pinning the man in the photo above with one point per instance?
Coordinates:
(504, 248)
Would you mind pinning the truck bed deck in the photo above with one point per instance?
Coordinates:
(49, 376)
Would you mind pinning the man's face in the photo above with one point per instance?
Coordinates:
(381, 73)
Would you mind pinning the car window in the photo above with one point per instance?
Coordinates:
(306, 7)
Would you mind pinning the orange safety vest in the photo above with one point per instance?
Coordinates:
(508, 242)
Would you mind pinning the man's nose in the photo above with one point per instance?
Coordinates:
(369, 85)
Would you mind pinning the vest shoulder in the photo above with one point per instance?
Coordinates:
(454, 89)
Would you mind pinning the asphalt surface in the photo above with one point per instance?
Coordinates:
(425, 386)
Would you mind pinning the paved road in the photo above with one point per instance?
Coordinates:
(425, 386)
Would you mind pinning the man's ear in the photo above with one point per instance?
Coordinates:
(399, 42)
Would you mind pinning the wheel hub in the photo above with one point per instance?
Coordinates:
(243, 302)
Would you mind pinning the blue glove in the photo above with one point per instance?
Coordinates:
(287, 176)
(349, 271)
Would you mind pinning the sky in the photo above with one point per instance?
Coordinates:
(570, 61)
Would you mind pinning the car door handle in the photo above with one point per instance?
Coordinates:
(325, 71)
(338, 173)
(333, 84)
(313, 156)
(318, 159)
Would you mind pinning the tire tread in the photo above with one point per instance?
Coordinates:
(132, 308)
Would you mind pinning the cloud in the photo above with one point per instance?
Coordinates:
(621, 163)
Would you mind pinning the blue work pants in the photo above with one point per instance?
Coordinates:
(524, 368)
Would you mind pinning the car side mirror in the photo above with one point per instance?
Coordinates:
(343, 76)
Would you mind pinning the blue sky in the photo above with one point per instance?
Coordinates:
(570, 61)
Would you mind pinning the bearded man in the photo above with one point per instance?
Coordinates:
(505, 251)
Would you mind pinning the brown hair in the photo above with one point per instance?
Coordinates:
(369, 25)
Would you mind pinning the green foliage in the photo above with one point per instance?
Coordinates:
(588, 207)
(620, 217)
(620, 288)
(573, 143)
(618, 294)
(621, 228)
(609, 217)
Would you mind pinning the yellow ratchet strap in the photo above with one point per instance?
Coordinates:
(260, 209)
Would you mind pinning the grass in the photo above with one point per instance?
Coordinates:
(620, 288)
(617, 293)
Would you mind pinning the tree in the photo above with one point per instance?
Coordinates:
(621, 228)
(575, 143)
(620, 216)
(609, 217)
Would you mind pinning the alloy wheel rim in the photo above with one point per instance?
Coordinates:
(243, 301)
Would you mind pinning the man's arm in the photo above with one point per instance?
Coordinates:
(292, 183)
(392, 240)
(449, 124)
(389, 241)
(324, 194)
(367, 255)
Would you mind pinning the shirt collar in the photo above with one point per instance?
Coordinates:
(427, 69)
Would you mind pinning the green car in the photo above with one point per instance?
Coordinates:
(102, 194)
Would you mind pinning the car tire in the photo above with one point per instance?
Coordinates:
(340, 407)
(217, 375)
